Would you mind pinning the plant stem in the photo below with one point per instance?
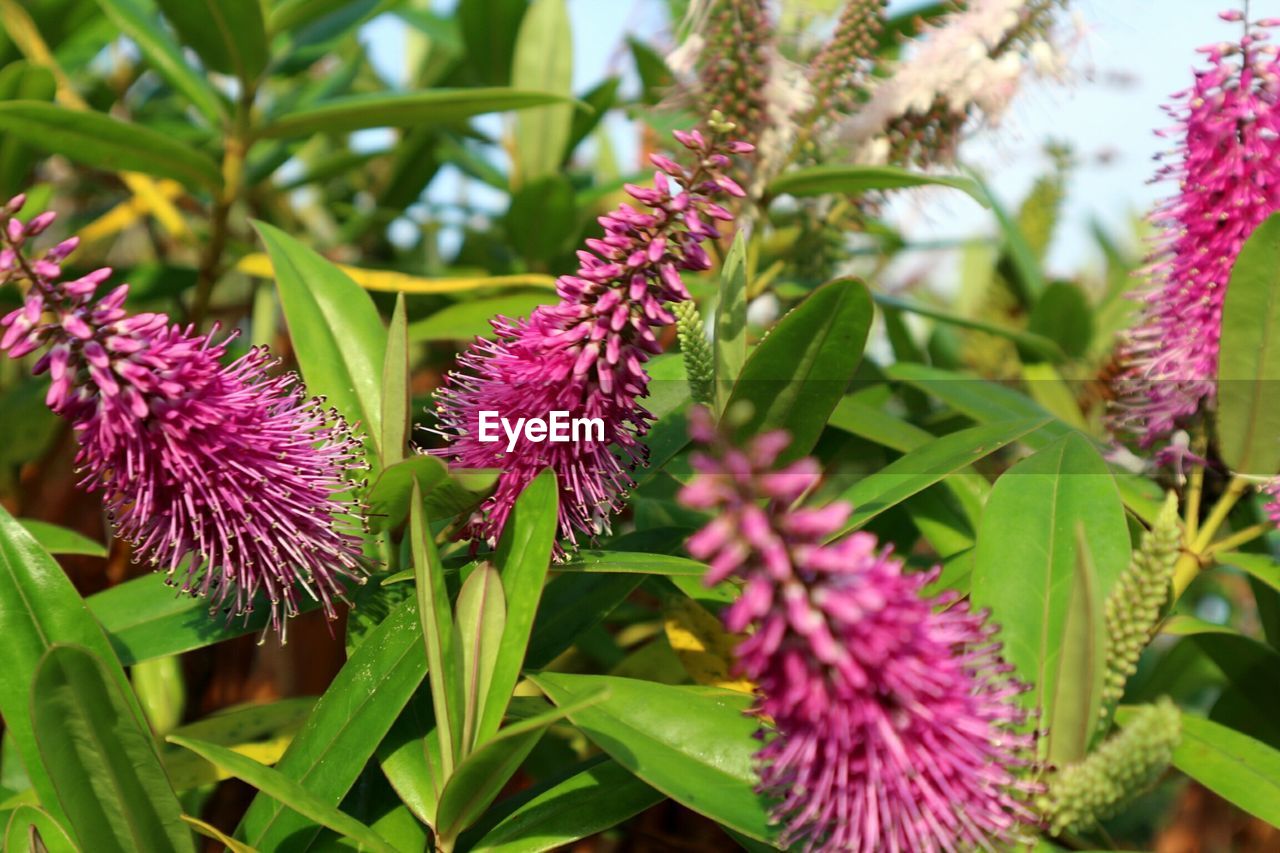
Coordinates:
(1197, 552)
(235, 151)
(1195, 489)
(1238, 538)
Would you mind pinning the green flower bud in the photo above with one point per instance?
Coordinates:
(1134, 605)
(698, 360)
(1081, 794)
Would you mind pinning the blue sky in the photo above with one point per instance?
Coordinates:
(1148, 44)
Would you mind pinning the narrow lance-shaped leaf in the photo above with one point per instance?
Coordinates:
(40, 607)
(29, 825)
(285, 790)
(524, 556)
(1026, 557)
(1081, 666)
(1241, 770)
(1248, 409)
(543, 60)
(101, 758)
(395, 388)
(104, 142)
(796, 376)
(481, 618)
(822, 180)
(730, 339)
(437, 632)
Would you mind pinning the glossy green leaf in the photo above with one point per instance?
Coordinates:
(571, 605)
(1241, 770)
(481, 616)
(145, 619)
(796, 375)
(729, 340)
(337, 335)
(693, 745)
(1061, 315)
(29, 824)
(1248, 411)
(348, 722)
(932, 462)
(524, 555)
(256, 730)
(983, 401)
(395, 388)
(60, 540)
(543, 60)
(595, 798)
(137, 19)
(437, 631)
(853, 180)
(482, 775)
(1081, 665)
(161, 692)
(228, 35)
(466, 320)
(410, 755)
(21, 81)
(284, 790)
(628, 562)
(103, 142)
(101, 757)
(1025, 562)
(38, 608)
(414, 109)
(1042, 345)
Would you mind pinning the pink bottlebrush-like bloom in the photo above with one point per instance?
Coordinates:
(223, 474)
(1227, 171)
(585, 355)
(897, 725)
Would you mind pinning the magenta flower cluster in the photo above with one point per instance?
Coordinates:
(896, 726)
(1227, 172)
(224, 475)
(585, 355)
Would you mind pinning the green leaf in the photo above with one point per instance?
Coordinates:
(1248, 411)
(415, 109)
(934, 461)
(446, 492)
(21, 80)
(38, 608)
(395, 388)
(60, 540)
(1241, 770)
(628, 562)
(104, 142)
(853, 180)
(489, 32)
(1081, 665)
(571, 605)
(483, 774)
(692, 744)
(595, 798)
(1041, 344)
(284, 790)
(1062, 315)
(983, 401)
(228, 35)
(258, 730)
(729, 340)
(348, 722)
(543, 221)
(477, 633)
(146, 619)
(337, 335)
(1020, 259)
(101, 757)
(463, 321)
(795, 377)
(543, 60)
(28, 823)
(524, 555)
(1025, 562)
(137, 20)
(410, 754)
(437, 631)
